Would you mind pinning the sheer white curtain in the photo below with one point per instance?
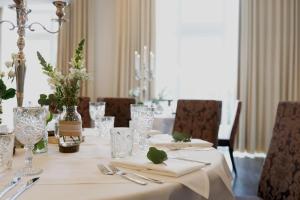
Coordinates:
(197, 43)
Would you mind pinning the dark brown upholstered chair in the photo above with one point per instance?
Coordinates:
(119, 108)
(234, 129)
(199, 118)
(83, 110)
(280, 178)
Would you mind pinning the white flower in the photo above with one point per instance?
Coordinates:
(11, 74)
(134, 92)
(14, 56)
(2, 74)
(9, 64)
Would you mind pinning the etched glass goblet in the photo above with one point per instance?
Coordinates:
(30, 124)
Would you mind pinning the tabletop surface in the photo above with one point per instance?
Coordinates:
(76, 176)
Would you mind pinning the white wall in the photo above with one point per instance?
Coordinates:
(104, 46)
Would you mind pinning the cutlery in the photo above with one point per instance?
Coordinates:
(146, 178)
(105, 170)
(10, 186)
(25, 187)
(191, 160)
(125, 176)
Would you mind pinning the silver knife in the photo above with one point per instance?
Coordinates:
(24, 188)
(10, 186)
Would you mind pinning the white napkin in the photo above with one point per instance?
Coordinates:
(183, 172)
(171, 167)
(166, 141)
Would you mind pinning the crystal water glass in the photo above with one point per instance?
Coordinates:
(30, 125)
(144, 126)
(121, 140)
(6, 150)
(104, 124)
(142, 121)
(97, 110)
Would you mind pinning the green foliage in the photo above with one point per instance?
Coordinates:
(53, 101)
(46, 66)
(181, 137)
(79, 54)
(40, 145)
(157, 156)
(6, 93)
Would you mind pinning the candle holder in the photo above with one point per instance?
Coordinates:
(21, 25)
(144, 71)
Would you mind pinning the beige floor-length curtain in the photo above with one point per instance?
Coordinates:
(269, 66)
(79, 26)
(135, 29)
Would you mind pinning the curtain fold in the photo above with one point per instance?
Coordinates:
(269, 67)
(135, 28)
(79, 26)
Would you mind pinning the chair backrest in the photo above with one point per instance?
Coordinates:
(280, 177)
(119, 108)
(199, 118)
(83, 110)
(235, 124)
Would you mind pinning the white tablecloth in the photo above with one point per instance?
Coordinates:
(76, 176)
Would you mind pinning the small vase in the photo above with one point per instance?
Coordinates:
(70, 130)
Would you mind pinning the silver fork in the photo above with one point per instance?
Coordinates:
(104, 170)
(125, 176)
(143, 177)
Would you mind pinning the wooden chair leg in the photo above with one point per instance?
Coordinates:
(232, 160)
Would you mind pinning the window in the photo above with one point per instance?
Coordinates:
(35, 81)
(196, 50)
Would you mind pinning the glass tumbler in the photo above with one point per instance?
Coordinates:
(6, 150)
(121, 140)
(104, 124)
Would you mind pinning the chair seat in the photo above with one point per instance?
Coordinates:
(247, 198)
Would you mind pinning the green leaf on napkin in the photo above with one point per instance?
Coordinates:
(181, 137)
(157, 156)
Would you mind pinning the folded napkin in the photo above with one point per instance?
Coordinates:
(171, 167)
(164, 140)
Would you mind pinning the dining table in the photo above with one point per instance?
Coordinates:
(76, 176)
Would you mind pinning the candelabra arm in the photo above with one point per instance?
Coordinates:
(13, 26)
(44, 27)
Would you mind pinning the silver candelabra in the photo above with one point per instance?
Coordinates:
(21, 25)
(144, 65)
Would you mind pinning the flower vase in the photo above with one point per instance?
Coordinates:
(70, 130)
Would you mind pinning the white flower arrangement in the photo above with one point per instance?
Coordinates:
(67, 87)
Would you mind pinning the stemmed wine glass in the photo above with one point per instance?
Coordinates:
(30, 124)
(97, 111)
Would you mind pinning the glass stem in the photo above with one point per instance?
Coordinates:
(28, 156)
